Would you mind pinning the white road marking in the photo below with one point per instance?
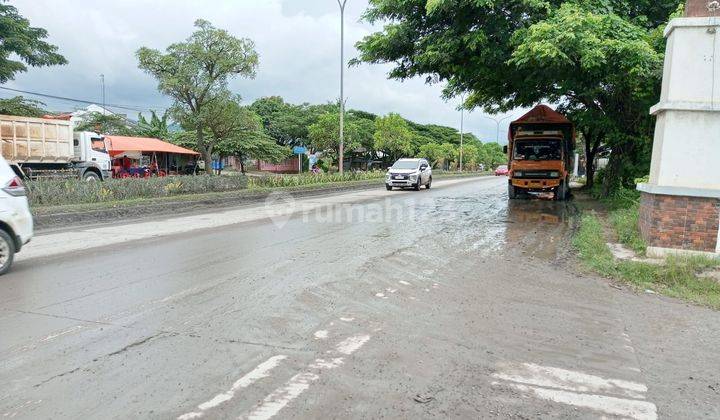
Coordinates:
(404, 283)
(389, 290)
(273, 403)
(321, 335)
(550, 377)
(631, 409)
(281, 397)
(381, 295)
(261, 371)
(352, 344)
(580, 390)
(347, 319)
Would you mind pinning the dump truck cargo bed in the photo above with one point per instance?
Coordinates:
(36, 140)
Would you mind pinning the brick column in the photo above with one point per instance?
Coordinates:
(683, 223)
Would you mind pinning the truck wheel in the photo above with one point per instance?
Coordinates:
(561, 192)
(7, 252)
(512, 192)
(388, 187)
(91, 176)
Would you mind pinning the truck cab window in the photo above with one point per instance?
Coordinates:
(98, 145)
(538, 150)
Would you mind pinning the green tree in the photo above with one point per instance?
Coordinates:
(603, 58)
(432, 152)
(286, 123)
(238, 132)
(22, 44)
(197, 71)
(393, 136)
(22, 107)
(324, 135)
(108, 124)
(156, 127)
(492, 155)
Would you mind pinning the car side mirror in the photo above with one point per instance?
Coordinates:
(505, 149)
(423, 167)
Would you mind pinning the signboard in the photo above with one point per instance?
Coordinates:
(299, 150)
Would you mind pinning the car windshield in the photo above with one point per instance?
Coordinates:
(502, 167)
(538, 150)
(405, 164)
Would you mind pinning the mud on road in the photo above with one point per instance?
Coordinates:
(450, 302)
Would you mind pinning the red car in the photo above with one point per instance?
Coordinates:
(502, 170)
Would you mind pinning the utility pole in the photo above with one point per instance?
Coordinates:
(342, 3)
(102, 82)
(462, 130)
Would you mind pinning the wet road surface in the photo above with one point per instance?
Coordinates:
(441, 303)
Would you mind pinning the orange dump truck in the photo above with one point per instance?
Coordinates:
(540, 153)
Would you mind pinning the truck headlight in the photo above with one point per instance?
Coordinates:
(554, 174)
(518, 174)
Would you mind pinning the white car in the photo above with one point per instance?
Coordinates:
(409, 173)
(16, 222)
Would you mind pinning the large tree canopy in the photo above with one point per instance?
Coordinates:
(196, 72)
(22, 44)
(603, 58)
(22, 107)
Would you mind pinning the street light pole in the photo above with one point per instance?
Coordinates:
(462, 130)
(497, 121)
(342, 3)
(102, 81)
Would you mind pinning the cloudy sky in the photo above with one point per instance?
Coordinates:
(298, 43)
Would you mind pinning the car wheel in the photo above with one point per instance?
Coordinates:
(91, 176)
(388, 187)
(418, 185)
(429, 184)
(7, 252)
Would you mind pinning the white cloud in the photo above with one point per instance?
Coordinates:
(298, 43)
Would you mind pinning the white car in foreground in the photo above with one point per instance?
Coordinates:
(16, 222)
(409, 173)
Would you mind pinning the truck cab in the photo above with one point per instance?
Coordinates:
(91, 156)
(540, 154)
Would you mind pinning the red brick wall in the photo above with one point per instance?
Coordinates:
(289, 166)
(688, 223)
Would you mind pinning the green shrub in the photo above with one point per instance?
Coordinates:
(279, 181)
(626, 223)
(48, 192)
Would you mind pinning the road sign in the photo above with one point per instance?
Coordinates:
(299, 150)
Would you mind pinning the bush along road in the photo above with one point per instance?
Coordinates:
(68, 203)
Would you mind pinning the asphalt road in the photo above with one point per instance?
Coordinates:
(440, 303)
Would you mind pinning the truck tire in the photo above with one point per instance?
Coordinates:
(512, 192)
(561, 192)
(91, 176)
(7, 251)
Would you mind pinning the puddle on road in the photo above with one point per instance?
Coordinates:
(540, 228)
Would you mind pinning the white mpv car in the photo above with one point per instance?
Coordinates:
(409, 173)
(16, 222)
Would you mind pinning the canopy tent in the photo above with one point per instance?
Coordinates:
(119, 145)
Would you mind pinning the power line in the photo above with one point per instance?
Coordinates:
(83, 101)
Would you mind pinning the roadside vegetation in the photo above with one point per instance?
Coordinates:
(46, 193)
(677, 277)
